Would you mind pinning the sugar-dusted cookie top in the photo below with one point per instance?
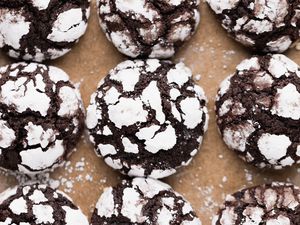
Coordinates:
(147, 117)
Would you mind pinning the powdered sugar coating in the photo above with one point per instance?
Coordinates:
(143, 201)
(39, 204)
(69, 26)
(273, 147)
(7, 134)
(160, 27)
(39, 125)
(263, 25)
(258, 111)
(220, 5)
(7, 194)
(24, 35)
(270, 204)
(138, 106)
(11, 21)
(236, 136)
(41, 4)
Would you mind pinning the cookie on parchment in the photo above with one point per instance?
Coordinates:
(258, 111)
(143, 201)
(147, 117)
(148, 28)
(41, 117)
(38, 205)
(38, 30)
(268, 204)
(262, 25)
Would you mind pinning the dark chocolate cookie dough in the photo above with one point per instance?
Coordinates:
(258, 111)
(143, 201)
(269, 204)
(41, 117)
(148, 28)
(147, 118)
(38, 30)
(38, 205)
(263, 25)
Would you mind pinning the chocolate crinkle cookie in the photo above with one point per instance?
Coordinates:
(263, 25)
(148, 28)
(258, 111)
(41, 117)
(39, 30)
(38, 205)
(268, 204)
(147, 117)
(143, 201)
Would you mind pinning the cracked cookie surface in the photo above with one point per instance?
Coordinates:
(143, 201)
(40, 30)
(148, 28)
(269, 204)
(262, 25)
(258, 111)
(38, 205)
(41, 117)
(147, 117)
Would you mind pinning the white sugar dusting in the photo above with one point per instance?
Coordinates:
(68, 26)
(13, 27)
(41, 4)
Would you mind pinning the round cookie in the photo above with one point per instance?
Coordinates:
(38, 205)
(39, 30)
(268, 204)
(147, 117)
(41, 117)
(258, 111)
(262, 25)
(148, 28)
(143, 201)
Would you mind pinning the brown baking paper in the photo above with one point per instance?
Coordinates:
(213, 173)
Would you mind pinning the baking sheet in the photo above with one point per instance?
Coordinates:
(213, 173)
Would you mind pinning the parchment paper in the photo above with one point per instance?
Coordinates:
(213, 173)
